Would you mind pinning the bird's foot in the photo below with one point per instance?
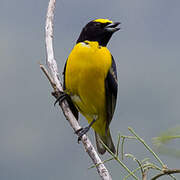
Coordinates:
(80, 132)
(61, 98)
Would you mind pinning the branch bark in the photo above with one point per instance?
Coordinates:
(55, 83)
(166, 172)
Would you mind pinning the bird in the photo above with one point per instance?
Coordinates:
(90, 80)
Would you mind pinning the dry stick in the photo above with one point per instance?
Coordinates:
(52, 65)
(166, 172)
(144, 174)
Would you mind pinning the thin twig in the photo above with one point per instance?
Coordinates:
(122, 144)
(149, 166)
(122, 148)
(48, 76)
(144, 171)
(150, 150)
(119, 161)
(166, 172)
(119, 138)
(135, 170)
(144, 174)
(105, 161)
(54, 80)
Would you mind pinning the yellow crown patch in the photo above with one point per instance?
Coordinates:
(103, 21)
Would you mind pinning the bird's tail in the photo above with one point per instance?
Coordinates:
(107, 140)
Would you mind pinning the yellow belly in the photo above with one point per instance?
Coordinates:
(86, 70)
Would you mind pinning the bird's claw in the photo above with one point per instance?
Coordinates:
(61, 98)
(80, 132)
(76, 132)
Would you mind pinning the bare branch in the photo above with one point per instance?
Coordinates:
(166, 172)
(48, 76)
(54, 80)
(144, 174)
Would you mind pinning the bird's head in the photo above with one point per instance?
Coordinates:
(99, 30)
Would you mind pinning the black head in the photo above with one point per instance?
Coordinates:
(99, 30)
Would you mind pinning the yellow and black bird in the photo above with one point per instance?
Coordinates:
(90, 80)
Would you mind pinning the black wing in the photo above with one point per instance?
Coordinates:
(69, 100)
(111, 88)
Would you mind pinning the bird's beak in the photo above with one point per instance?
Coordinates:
(112, 27)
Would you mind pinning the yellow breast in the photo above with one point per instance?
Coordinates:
(86, 70)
